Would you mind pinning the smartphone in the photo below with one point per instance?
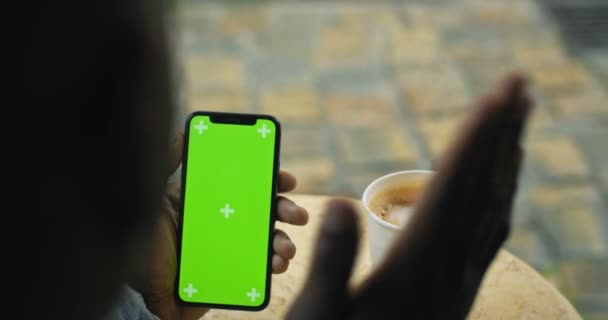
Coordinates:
(229, 187)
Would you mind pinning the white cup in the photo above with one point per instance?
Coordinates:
(381, 233)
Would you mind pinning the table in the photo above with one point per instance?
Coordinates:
(510, 290)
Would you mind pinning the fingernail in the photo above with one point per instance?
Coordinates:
(289, 205)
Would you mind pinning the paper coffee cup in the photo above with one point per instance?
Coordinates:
(380, 232)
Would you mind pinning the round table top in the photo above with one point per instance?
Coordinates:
(511, 289)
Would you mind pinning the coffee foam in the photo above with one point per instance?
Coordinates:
(396, 214)
(396, 203)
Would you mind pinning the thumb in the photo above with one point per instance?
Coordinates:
(331, 266)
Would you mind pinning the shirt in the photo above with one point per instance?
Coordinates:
(130, 305)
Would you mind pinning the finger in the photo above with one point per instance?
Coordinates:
(508, 191)
(427, 260)
(494, 223)
(509, 156)
(509, 153)
(506, 161)
(336, 246)
(447, 218)
(495, 230)
(466, 171)
(486, 125)
(289, 212)
(173, 192)
(283, 246)
(279, 264)
(496, 226)
(176, 151)
(518, 107)
(287, 182)
(331, 266)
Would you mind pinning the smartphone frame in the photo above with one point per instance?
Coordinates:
(236, 119)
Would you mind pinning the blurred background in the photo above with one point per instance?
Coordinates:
(364, 88)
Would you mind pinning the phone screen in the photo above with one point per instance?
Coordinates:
(229, 178)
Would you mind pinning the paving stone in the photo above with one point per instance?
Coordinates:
(432, 89)
(528, 179)
(386, 21)
(194, 43)
(574, 217)
(556, 155)
(198, 17)
(484, 77)
(383, 143)
(586, 283)
(553, 274)
(354, 185)
(540, 119)
(451, 15)
(603, 71)
(415, 46)
(360, 80)
(351, 110)
(592, 142)
(301, 17)
(361, 16)
(475, 46)
(246, 18)
(269, 72)
(339, 47)
(595, 315)
(536, 38)
(526, 244)
(280, 46)
(210, 71)
(524, 214)
(227, 100)
(588, 102)
(315, 175)
(561, 78)
(439, 130)
(291, 103)
(303, 141)
(544, 53)
(504, 14)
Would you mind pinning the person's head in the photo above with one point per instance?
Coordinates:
(92, 96)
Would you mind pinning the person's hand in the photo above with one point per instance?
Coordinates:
(435, 267)
(158, 282)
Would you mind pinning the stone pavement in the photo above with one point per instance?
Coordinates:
(364, 88)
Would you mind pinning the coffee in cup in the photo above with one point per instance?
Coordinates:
(394, 204)
(390, 201)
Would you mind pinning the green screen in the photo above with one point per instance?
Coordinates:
(226, 218)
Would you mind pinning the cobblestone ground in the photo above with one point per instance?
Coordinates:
(366, 88)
